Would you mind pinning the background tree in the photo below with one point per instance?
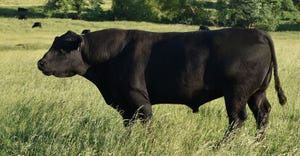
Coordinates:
(297, 4)
(66, 6)
(264, 14)
(96, 13)
(178, 11)
(139, 10)
(63, 6)
(79, 6)
(288, 5)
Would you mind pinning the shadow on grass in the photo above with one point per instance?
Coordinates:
(33, 12)
(295, 26)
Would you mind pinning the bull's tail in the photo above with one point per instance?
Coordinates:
(280, 93)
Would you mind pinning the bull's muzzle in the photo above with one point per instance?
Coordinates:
(41, 64)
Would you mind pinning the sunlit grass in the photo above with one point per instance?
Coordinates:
(22, 3)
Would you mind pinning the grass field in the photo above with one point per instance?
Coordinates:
(49, 116)
(22, 3)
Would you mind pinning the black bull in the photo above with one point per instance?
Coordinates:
(136, 69)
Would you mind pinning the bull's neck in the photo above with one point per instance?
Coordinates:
(84, 49)
(94, 74)
(97, 75)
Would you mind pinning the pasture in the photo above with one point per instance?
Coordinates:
(49, 116)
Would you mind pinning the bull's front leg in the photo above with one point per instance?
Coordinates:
(137, 107)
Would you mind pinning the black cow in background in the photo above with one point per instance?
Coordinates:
(203, 27)
(22, 13)
(135, 69)
(37, 25)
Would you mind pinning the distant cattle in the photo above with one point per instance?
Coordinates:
(203, 27)
(22, 13)
(136, 69)
(37, 25)
(85, 31)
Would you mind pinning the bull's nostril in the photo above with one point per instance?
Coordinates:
(41, 63)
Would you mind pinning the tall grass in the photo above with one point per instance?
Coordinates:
(49, 116)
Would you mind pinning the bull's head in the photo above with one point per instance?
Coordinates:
(64, 58)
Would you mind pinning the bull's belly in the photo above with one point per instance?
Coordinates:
(187, 96)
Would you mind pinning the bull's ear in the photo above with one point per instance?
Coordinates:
(75, 38)
(68, 41)
(70, 33)
(71, 36)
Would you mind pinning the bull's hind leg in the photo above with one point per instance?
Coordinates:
(261, 108)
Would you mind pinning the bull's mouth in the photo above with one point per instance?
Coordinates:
(47, 73)
(64, 74)
(59, 74)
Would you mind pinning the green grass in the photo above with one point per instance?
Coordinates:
(22, 3)
(50, 116)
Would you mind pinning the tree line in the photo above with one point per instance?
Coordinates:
(264, 14)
